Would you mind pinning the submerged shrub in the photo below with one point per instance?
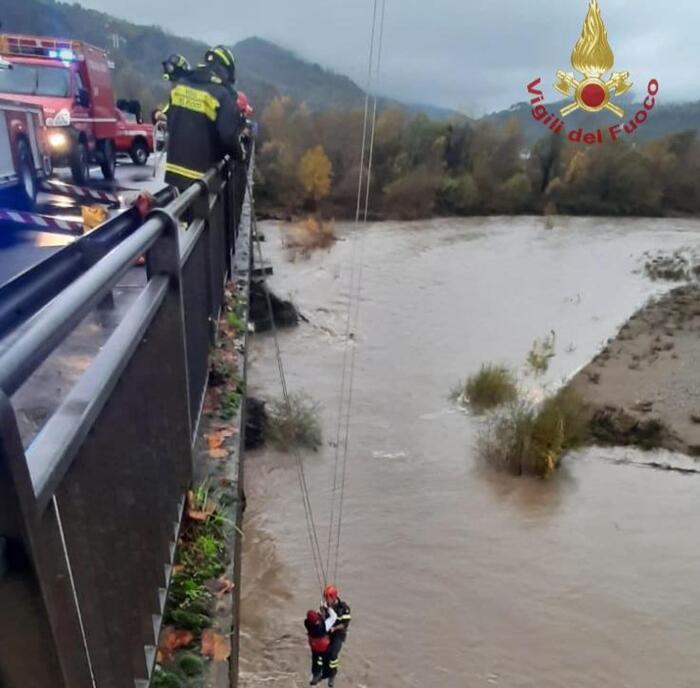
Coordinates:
(530, 439)
(296, 425)
(492, 386)
(303, 237)
(541, 353)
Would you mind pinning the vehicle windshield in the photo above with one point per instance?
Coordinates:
(35, 80)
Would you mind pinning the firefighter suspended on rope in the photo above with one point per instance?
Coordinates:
(335, 607)
(203, 119)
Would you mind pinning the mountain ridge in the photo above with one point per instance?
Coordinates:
(267, 70)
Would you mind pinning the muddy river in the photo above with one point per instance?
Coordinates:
(459, 576)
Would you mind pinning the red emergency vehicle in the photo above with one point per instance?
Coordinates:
(23, 156)
(134, 138)
(72, 82)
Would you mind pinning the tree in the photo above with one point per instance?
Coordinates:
(278, 181)
(515, 194)
(412, 196)
(458, 195)
(546, 161)
(315, 174)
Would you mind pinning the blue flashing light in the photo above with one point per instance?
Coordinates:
(65, 55)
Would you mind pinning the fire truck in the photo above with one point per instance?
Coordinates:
(72, 83)
(24, 158)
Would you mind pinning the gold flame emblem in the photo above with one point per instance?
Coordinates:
(593, 57)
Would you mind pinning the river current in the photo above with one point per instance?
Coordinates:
(459, 576)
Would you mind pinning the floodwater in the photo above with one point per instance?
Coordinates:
(459, 576)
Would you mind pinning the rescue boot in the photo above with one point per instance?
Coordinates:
(331, 682)
(315, 679)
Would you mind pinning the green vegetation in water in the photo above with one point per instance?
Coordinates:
(492, 386)
(456, 394)
(682, 265)
(530, 439)
(296, 425)
(541, 353)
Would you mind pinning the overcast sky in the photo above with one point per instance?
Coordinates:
(473, 56)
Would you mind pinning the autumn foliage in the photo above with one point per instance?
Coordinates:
(423, 167)
(315, 173)
(300, 238)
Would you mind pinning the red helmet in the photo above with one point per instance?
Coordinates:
(242, 101)
(330, 592)
(313, 616)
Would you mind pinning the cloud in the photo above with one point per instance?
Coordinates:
(450, 52)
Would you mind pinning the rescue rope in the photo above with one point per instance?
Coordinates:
(299, 463)
(353, 261)
(354, 297)
(364, 125)
(374, 113)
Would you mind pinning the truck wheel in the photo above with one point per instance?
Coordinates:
(108, 165)
(139, 153)
(80, 164)
(28, 187)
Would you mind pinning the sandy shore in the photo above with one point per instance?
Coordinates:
(644, 387)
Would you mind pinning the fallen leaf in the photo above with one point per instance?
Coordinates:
(226, 586)
(198, 514)
(178, 568)
(218, 453)
(172, 639)
(225, 431)
(215, 645)
(93, 216)
(215, 440)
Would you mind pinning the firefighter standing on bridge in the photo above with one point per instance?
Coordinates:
(203, 119)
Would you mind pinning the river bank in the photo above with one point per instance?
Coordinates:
(643, 388)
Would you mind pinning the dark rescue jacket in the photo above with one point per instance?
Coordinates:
(203, 126)
(343, 622)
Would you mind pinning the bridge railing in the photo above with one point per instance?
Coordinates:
(90, 509)
(27, 293)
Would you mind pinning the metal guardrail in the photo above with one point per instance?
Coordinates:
(24, 295)
(90, 510)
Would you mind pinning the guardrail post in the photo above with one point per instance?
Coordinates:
(164, 258)
(229, 220)
(41, 639)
